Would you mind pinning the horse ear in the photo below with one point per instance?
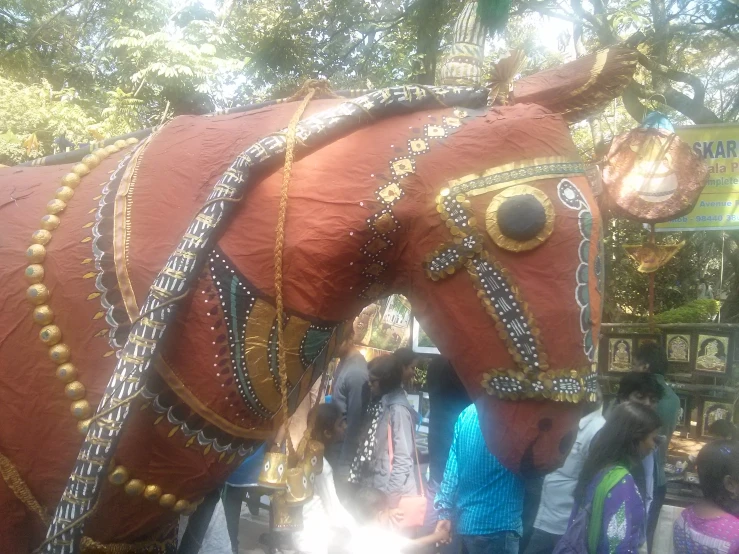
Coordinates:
(580, 88)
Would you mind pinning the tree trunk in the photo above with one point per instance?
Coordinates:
(429, 18)
(730, 308)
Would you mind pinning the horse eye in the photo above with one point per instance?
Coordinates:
(520, 218)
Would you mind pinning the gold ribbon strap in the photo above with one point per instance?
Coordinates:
(20, 489)
(308, 90)
(91, 546)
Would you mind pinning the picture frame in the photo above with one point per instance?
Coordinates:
(384, 324)
(421, 343)
(620, 354)
(647, 339)
(714, 410)
(712, 354)
(678, 347)
(610, 387)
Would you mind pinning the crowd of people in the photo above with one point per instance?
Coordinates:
(606, 498)
(374, 496)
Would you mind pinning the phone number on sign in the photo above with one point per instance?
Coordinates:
(715, 218)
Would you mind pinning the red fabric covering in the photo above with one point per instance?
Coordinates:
(332, 195)
(579, 88)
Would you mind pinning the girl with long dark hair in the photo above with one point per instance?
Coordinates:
(610, 491)
(386, 458)
(711, 526)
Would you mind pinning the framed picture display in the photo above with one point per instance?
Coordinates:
(712, 354)
(385, 324)
(678, 348)
(609, 387)
(620, 352)
(649, 339)
(421, 342)
(713, 412)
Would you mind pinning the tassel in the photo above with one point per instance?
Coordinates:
(502, 75)
(493, 14)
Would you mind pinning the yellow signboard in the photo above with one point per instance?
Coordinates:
(718, 205)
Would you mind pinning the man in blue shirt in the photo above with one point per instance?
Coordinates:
(482, 497)
(447, 399)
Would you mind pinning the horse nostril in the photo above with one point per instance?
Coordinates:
(521, 217)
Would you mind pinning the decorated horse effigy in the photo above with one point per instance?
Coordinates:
(169, 299)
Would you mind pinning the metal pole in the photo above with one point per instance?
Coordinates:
(721, 275)
(651, 286)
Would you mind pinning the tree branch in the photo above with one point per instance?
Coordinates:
(631, 101)
(721, 26)
(576, 6)
(141, 85)
(699, 114)
(7, 14)
(733, 111)
(45, 24)
(699, 90)
(544, 9)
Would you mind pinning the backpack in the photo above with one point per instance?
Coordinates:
(583, 533)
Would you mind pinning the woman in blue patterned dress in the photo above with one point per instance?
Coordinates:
(612, 480)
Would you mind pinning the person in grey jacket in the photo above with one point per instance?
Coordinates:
(392, 419)
(350, 392)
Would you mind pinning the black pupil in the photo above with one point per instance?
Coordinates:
(521, 217)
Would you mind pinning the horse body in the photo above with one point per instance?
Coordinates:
(368, 214)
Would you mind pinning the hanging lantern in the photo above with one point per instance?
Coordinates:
(650, 174)
(284, 516)
(297, 487)
(274, 471)
(651, 257)
(314, 457)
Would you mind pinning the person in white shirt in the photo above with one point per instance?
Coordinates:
(324, 517)
(378, 530)
(556, 495)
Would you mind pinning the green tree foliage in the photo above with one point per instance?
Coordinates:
(86, 69)
(676, 283)
(32, 116)
(697, 311)
(354, 43)
(182, 66)
(688, 55)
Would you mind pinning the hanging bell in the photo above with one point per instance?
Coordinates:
(310, 477)
(297, 487)
(274, 471)
(284, 516)
(314, 455)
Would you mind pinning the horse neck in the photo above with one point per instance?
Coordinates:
(342, 251)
